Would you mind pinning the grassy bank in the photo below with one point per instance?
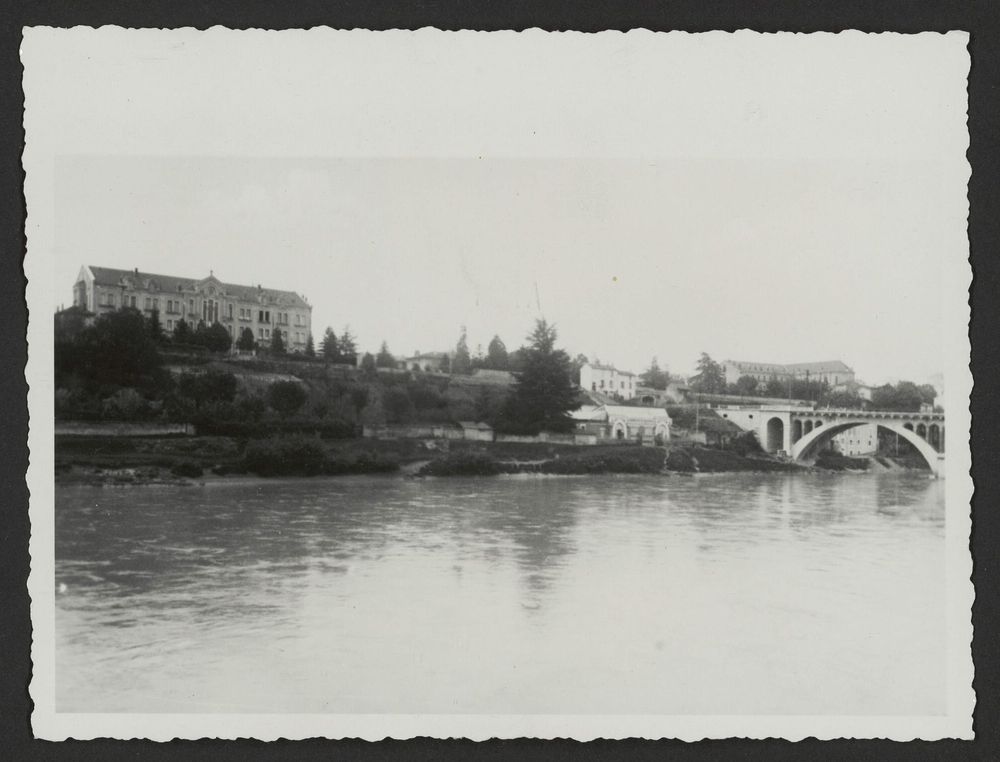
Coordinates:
(166, 459)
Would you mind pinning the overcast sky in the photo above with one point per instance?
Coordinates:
(781, 199)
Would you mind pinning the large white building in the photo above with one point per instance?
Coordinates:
(265, 311)
(834, 372)
(607, 379)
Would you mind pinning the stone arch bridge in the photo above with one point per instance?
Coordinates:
(801, 433)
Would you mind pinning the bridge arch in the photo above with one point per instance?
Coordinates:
(803, 448)
(775, 431)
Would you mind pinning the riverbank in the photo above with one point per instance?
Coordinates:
(178, 460)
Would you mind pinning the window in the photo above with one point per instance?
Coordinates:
(260, 316)
(148, 303)
(267, 333)
(260, 333)
(132, 301)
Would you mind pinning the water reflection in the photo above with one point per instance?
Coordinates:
(502, 594)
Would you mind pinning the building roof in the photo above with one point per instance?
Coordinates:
(612, 368)
(630, 411)
(109, 276)
(588, 413)
(477, 425)
(427, 356)
(826, 366)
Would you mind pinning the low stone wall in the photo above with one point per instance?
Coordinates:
(116, 429)
(547, 437)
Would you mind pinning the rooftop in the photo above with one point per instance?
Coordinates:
(109, 276)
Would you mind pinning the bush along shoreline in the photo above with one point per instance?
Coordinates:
(613, 459)
(174, 460)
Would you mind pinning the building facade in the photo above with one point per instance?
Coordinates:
(621, 423)
(861, 440)
(265, 311)
(607, 379)
(833, 372)
(432, 362)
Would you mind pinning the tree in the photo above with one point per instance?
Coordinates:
(544, 392)
(310, 347)
(904, 396)
(368, 364)
(461, 363)
(710, 378)
(746, 386)
(155, 327)
(496, 355)
(654, 376)
(277, 343)
(286, 397)
(215, 338)
(384, 359)
(330, 347)
(182, 332)
(348, 346)
(775, 388)
(446, 364)
(246, 342)
(117, 350)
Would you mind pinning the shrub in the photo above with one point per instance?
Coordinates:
(285, 455)
(124, 405)
(210, 386)
(462, 464)
(746, 444)
(187, 469)
(286, 397)
(398, 405)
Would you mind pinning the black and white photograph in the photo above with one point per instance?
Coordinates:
(423, 383)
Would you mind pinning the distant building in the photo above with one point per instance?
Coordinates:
(265, 311)
(862, 390)
(860, 440)
(432, 362)
(607, 379)
(833, 372)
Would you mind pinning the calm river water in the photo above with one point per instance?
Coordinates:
(724, 594)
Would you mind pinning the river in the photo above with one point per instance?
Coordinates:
(723, 594)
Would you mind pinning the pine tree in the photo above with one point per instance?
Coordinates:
(496, 355)
(155, 328)
(310, 348)
(710, 378)
(461, 363)
(182, 332)
(384, 359)
(330, 346)
(654, 376)
(348, 346)
(277, 343)
(246, 341)
(544, 393)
